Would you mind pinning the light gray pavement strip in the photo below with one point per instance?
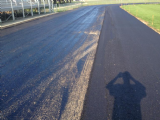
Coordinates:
(125, 79)
(11, 23)
(46, 63)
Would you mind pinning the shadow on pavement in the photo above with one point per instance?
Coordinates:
(64, 101)
(127, 97)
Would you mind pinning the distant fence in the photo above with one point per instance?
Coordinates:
(9, 8)
(12, 5)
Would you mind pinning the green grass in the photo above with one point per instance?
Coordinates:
(145, 12)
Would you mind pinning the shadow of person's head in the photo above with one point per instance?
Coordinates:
(126, 78)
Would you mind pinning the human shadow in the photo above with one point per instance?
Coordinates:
(127, 97)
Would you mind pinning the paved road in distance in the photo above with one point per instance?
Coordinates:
(125, 80)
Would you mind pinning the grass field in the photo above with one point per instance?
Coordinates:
(150, 13)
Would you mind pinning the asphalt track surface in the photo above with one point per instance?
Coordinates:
(125, 79)
(47, 62)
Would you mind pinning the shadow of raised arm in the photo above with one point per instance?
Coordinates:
(110, 84)
(138, 85)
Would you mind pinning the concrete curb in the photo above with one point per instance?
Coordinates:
(23, 21)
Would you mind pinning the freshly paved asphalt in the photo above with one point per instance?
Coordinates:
(44, 63)
(125, 79)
